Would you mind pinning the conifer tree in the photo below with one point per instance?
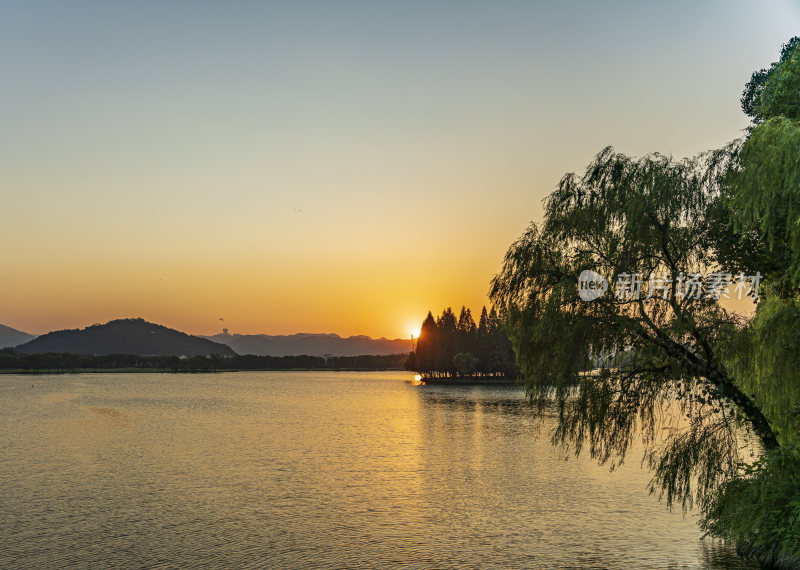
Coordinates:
(447, 329)
(427, 346)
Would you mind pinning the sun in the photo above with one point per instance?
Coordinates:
(413, 332)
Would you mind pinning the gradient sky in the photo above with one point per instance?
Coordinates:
(328, 166)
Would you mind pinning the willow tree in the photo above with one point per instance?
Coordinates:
(761, 190)
(760, 508)
(654, 338)
(763, 183)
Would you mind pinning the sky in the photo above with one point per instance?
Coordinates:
(338, 167)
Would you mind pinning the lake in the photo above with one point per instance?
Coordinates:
(313, 470)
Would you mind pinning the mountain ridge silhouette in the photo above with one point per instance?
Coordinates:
(125, 336)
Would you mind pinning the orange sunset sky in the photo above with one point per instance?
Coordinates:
(328, 167)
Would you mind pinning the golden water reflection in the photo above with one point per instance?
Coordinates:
(304, 469)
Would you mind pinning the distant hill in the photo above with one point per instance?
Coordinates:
(311, 344)
(125, 336)
(13, 337)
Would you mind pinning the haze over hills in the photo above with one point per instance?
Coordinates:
(311, 344)
(13, 337)
(125, 336)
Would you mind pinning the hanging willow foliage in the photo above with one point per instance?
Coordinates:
(659, 375)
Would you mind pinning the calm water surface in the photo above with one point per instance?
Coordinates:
(312, 470)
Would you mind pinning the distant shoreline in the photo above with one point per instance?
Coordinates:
(21, 372)
(472, 381)
(24, 363)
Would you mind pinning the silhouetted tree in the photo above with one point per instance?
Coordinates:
(427, 346)
(447, 328)
(467, 332)
(483, 343)
(466, 364)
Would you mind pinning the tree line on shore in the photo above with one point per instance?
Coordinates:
(450, 347)
(11, 360)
